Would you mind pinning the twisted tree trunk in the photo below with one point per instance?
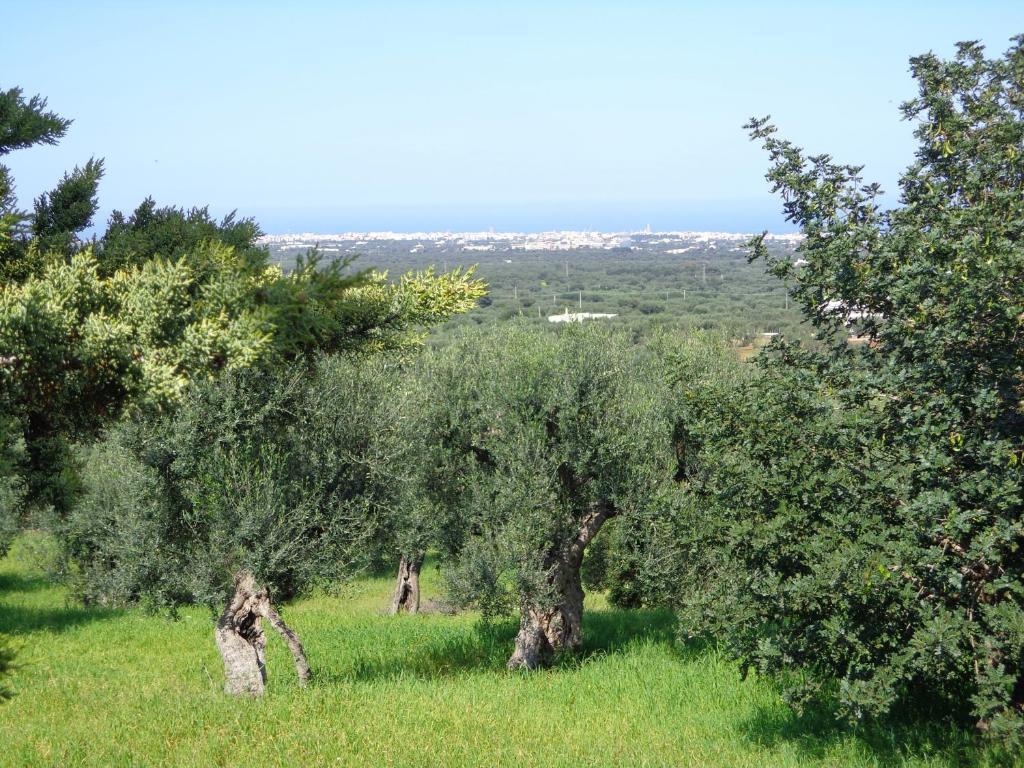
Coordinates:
(240, 638)
(242, 642)
(407, 589)
(545, 631)
(294, 645)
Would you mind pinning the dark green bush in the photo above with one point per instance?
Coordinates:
(862, 506)
(651, 309)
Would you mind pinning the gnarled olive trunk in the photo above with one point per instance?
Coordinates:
(407, 589)
(242, 642)
(546, 630)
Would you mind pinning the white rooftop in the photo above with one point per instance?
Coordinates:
(578, 317)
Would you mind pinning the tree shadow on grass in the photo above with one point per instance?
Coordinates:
(890, 742)
(18, 620)
(17, 582)
(481, 647)
(487, 646)
(613, 629)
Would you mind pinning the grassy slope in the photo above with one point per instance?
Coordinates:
(122, 688)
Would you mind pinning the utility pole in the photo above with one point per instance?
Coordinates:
(581, 300)
(515, 292)
(787, 300)
(704, 273)
(566, 269)
(684, 295)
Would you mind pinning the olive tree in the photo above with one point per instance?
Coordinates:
(549, 436)
(442, 412)
(255, 488)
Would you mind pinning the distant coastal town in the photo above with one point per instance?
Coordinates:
(455, 242)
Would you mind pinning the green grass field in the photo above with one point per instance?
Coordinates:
(109, 688)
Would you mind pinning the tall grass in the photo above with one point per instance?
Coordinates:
(108, 688)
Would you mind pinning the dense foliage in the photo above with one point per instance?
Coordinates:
(282, 475)
(548, 437)
(867, 499)
(169, 233)
(59, 215)
(165, 298)
(129, 326)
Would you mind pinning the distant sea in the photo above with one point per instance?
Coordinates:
(703, 216)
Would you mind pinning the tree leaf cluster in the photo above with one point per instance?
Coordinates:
(541, 430)
(289, 475)
(861, 504)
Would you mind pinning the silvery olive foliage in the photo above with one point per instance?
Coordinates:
(288, 475)
(533, 430)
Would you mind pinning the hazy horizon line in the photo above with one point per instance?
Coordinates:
(491, 231)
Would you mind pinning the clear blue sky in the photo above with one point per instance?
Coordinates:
(399, 115)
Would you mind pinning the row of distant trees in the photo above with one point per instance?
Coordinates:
(845, 519)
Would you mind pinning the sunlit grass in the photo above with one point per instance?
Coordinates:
(105, 688)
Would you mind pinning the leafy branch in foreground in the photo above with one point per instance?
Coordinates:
(81, 347)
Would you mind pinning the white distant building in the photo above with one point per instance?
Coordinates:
(849, 313)
(578, 317)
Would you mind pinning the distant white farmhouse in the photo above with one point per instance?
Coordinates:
(578, 317)
(849, 313)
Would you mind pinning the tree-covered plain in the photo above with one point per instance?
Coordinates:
(712, 286)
